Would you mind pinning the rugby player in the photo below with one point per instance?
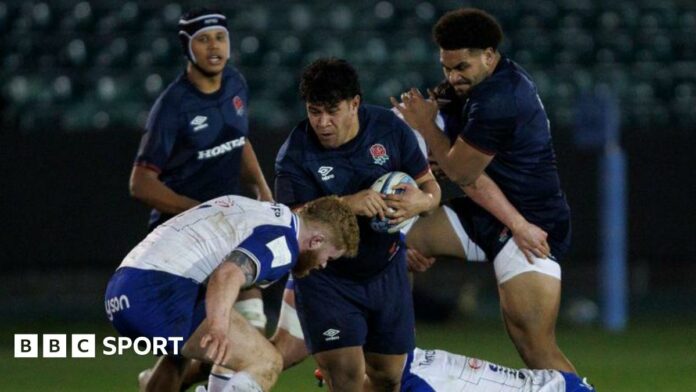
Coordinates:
(195, 146)
(357, 315)
(495, 123)
(183, 278)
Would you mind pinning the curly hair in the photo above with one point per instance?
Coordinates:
(328, 81)
(333, 213)
(467, 28)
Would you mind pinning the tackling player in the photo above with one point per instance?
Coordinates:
(183, 278)
(357, 315)
(195, 146)
(495, 122)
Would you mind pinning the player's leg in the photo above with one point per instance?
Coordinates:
(167, 375)
(441, 233)
(384, 372)
(432, 235)
(149, 313)
(530, 296)
(332, 313)
(252, 356)
(288, 338)
(391, 327)
(343, 368)
(175, 376)
(249, 304)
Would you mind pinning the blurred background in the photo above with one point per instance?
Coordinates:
(77, 80)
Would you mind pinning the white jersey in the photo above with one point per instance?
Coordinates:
(444, 371)
(195, 242)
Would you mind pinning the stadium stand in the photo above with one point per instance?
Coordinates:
(78, 66)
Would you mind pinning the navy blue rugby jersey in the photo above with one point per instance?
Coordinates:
(306, 171)
(194, 140)
(503, 116)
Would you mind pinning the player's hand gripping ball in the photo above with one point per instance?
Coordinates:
(385, 185)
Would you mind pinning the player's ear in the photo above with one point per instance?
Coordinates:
(489, 56)
(317, 241)
(355, 102)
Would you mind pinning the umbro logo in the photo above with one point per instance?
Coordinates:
(325, 172)
(199, 122)
(331, 334)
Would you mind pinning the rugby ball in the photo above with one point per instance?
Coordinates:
(385, 185)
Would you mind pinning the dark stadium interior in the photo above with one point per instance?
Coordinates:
(78, 78)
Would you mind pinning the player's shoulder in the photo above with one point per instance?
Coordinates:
(500, 93)
(234, 79)
(257, 212)
(173, 95)
(507, 82)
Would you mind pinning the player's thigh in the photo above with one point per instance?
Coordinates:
(434, 235)
(384, 369)
(529, 303)
(530, 293)
(332, 312)
(391, 319)
(248, 346)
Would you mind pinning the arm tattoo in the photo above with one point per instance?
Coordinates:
(245, 263)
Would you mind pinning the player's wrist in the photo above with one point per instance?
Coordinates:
(517, 224)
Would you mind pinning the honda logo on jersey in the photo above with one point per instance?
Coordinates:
(222, 148)
(379, 154)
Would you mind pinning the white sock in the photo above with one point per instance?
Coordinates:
(217, 382)
(242, 382)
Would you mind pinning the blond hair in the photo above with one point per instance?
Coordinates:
(333, 213)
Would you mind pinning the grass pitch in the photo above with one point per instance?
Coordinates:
(650, 356)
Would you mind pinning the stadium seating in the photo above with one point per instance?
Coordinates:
(75, 65)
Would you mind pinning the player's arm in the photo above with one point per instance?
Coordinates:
(465, 165)
(251, 174)
(146, 186)
(236, 272)
(530, 238)
(461, 162)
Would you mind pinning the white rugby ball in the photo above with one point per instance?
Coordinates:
(385, 185)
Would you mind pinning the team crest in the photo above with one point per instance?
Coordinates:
(238, 105)
(379, 154)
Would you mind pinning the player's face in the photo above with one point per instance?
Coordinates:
(312, 259)
(336, 125)
(211, 50)
(465, 68)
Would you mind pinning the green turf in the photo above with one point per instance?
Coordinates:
(649, 356)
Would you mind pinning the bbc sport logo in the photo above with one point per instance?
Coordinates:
(85, 345)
